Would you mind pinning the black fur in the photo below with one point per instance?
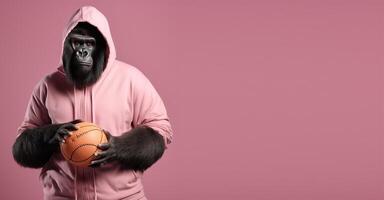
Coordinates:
(99, 56)
(139, 148)
(31, 148)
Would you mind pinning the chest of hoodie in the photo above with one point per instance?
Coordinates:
(106, 103)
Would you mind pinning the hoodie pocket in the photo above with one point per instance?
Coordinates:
(53, 187)
(129, 181)
(111, 177)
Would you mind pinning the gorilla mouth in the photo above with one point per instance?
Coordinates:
(85, 64)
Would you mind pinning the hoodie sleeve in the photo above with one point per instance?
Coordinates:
(148, 107)
(36, 114)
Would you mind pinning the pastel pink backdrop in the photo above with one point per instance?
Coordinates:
(269, 100)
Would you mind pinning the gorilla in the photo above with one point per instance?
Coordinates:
(85, 51)
(84, 59)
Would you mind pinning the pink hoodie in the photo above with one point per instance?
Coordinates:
(120, 100)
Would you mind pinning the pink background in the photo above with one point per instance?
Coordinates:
(269, 100)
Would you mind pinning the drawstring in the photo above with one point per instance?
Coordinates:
(92, 106)
(93, 120)
(94, 183)
(75, 183)
(75, 117)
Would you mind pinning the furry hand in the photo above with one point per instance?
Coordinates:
(108, 152)
(136, 149)
(62, 132)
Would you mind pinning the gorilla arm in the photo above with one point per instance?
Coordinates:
(140, 148)
(31, 148)
(34, 147)
(137, 149)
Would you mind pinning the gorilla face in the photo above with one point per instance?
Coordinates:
(83, 47)
(84, 55)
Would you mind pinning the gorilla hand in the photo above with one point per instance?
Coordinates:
(108, 153)
(137, 149)
(61, 133)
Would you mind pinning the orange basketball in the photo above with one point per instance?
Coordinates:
(80, 147)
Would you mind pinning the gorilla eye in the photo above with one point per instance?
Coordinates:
(88, 43)
(76, 43)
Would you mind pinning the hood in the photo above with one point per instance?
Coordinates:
(93, 16)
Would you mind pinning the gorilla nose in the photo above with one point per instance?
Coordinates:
(82, 53)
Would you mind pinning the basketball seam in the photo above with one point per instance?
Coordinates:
(61, 147)
(70, 158)
(89, 125)
(78, 148)
(86, 145)
(82, 133)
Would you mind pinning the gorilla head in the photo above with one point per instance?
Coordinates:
(84, 55)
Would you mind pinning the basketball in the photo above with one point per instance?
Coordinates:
(80, 147)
